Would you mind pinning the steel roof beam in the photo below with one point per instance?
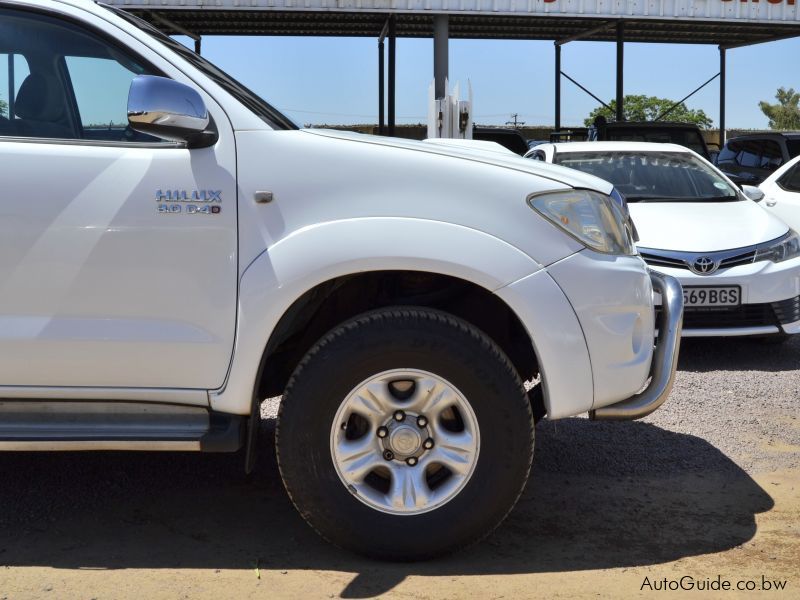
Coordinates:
(174, 26)
(754, 42)
(584, 34)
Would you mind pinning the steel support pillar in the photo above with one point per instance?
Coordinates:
(558, 87)
(441, 36)
(722, 135)
(197, 45)
(392, 52)
(620, 70)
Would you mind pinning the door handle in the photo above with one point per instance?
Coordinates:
(771, 202)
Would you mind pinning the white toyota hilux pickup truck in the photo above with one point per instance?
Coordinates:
(173, 250)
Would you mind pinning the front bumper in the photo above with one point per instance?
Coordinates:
(665, 357)
(770, 299)
(590, 317)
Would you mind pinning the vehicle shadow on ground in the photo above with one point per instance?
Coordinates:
(600, 495)
(738, 354)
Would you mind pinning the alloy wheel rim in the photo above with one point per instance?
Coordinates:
(405, 441)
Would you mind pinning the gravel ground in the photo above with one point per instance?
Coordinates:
(707, 485)
(740, 396)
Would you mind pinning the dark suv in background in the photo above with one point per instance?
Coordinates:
(752, 158)
(683, 134)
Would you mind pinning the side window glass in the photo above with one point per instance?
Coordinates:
(749, 154)
(66, 82)
(791, 181)
(771, 157)
(728, 153)
(13, 71)
(100, 86)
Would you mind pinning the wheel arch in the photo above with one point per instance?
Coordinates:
(334, 301)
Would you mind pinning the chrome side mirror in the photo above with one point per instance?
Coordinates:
(169, 110)
(753, 193)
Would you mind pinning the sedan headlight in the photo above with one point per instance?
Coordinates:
(592, 218)
(783, 248)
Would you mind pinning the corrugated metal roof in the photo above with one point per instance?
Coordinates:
(726, 22)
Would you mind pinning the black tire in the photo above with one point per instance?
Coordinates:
(387, 339)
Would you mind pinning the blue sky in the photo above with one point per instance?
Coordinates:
(334, 80)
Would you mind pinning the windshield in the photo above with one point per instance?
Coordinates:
(653, 176)
(273, 117)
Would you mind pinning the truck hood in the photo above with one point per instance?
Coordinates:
(476, 153)
(703, 226)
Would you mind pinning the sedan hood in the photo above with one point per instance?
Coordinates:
(479, 153)
(703, 226)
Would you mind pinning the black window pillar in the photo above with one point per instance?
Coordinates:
(11, 90)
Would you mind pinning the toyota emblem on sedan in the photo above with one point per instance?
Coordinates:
(704, 265)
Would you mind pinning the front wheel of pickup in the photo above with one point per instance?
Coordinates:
(403, 434)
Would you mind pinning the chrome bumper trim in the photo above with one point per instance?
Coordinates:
(730, 331)
(665, 357)
(791, 328)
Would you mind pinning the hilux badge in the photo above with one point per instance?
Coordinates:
(191, 202)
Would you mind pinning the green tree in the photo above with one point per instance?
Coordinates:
(648, 108)
(3, 108)
(786, 113)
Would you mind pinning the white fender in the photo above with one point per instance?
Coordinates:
(321, 252)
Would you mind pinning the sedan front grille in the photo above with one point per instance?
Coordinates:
(684, 260)
(663, 261)
(746, 315)
(740, 259)
(787, 311)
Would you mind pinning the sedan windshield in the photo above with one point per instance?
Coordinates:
(653, 176)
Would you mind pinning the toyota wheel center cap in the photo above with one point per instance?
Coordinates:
(405, 440)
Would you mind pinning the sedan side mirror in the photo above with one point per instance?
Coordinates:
(753, 193)
(169, 110)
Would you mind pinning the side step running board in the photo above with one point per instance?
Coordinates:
(75, 425)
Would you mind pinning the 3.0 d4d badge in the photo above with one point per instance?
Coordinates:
(198, 201)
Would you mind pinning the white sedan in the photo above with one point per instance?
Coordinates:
(782, 193)
(738, 264)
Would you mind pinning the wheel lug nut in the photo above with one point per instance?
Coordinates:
(382, 432)
(422, 421)
(399, 415)
(411, 461)
(428, 444)
(388, 455)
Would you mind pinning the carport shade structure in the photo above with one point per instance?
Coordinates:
(725, 23)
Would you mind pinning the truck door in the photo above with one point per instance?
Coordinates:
(114, 269)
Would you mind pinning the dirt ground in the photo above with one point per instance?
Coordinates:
(610, 511)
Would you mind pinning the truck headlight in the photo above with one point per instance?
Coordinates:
(783, 248)
(592, 218)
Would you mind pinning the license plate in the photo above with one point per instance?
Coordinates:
(712, 296)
